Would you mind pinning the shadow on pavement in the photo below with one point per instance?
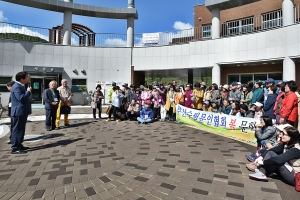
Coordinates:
(51, 145)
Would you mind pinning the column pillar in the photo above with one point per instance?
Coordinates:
(216, 74)
(215, 27)
(130, 4)
(191, 76)
(130, 31)
(288, 12)
(67, 26)
(289, 69)
(130, 26)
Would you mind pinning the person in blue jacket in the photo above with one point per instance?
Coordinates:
(226, 107)
(146, 114)
(258, 93)
(269, 105)
(51, 98)
(269, 83)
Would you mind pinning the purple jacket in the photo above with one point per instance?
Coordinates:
(188, 101)
(163, 94)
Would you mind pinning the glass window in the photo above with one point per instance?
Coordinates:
(272, 19)
(5, 80)
(232, 78)
(276, 76)
(261, 77)
(246, 77)
(240, 26)
(206, 31)
(78, 81)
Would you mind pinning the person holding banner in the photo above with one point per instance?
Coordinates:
(188, 96)
(197, 96)
(226, 107)
(265, 133)
(170, 103)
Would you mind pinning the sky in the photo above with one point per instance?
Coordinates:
(153, 16)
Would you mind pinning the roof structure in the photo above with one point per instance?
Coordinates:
(226, 4)
(78, 9)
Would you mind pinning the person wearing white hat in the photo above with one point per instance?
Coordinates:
(224, 94)
(279, 130)
(258, 110)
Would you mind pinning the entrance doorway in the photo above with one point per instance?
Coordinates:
(39, 84)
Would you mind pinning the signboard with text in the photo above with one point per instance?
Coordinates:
(150, 38)
(237, 128)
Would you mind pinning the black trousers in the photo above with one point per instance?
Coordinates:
(113, 110)
(99, 107)
(134, 115)
(287, 176)
(156, 113)
(51, 117)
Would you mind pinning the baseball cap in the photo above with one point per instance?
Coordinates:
(206, 102)
(203, 83)
(282, 126)
(226, 86)
(280, 84)
(258, 104)
(239, 83)
(113, 84)
(132, 86)
(270, 80)
(234, 83)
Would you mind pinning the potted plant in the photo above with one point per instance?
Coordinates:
(83, 89)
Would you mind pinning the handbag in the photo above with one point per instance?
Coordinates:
(65, 110)
(297, 182)
(93, 105)
(107, 110)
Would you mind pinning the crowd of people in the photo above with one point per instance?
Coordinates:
(252, 100)
(278, 147)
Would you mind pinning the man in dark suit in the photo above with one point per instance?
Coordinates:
(20, 109)
(9, 86)
(51, 98)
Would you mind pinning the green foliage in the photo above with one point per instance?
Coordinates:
(22, 37)
(83, 89)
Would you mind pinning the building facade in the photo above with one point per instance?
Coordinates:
(242, 52)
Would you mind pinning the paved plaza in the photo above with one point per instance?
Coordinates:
(109, 160)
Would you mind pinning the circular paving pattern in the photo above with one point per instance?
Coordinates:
(101, 160)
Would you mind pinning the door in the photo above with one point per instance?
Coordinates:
(37, 85)
(48, 80)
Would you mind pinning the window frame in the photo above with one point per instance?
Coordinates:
(206, 26)
(271, 19)
(269, 74)
(4, 84)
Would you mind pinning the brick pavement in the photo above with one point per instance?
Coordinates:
(101, 160)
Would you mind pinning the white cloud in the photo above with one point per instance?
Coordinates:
(178, 25)
(35, 32)
(115, 42)
(2, 18)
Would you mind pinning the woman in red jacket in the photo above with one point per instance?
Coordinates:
(289, 107)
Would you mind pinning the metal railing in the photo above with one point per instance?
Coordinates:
(24, 33)
(258, 23)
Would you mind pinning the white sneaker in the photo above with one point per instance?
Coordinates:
(258, 176)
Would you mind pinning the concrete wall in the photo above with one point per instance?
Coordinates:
(101, 64)
(267, 45)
